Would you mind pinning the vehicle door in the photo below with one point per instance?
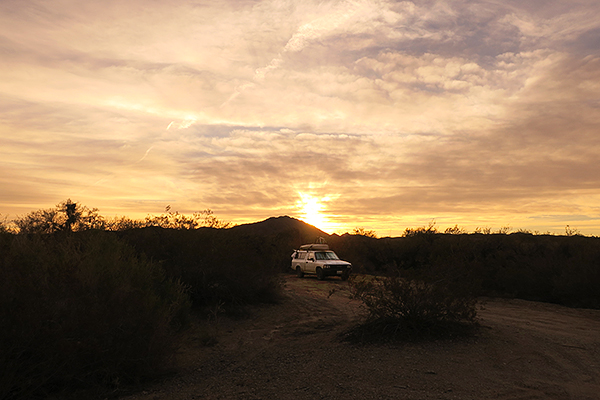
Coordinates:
(311, 262)
(299, 260)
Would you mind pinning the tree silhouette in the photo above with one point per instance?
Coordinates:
(67, 216)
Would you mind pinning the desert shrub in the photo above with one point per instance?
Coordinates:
(122, 223)
(174, 220)
(82, 311)
(576, 277)
(428, 230)
(558, 269)
(360, 231)
(4, 225)
(66, 216)
(361, 250)
(400, 308)
(234, 270)
(220, 266)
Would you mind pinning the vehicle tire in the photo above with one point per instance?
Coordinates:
(345, 276)
(299, 272)
(320, 274)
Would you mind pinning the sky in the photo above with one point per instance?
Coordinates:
(351, 113)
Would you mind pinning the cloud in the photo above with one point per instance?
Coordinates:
(396, 111)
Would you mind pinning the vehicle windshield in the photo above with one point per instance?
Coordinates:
(326, 255)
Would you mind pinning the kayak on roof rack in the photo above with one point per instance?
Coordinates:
(314, 246)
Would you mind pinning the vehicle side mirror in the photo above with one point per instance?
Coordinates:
(311, 259)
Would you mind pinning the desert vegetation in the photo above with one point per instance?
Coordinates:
(87, 301)
(412, 308)
(561, 269)
(81, 311)
(90, 303)
(74, 217)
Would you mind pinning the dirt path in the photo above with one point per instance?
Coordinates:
(524, 350)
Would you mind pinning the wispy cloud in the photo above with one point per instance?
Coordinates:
(475, 113)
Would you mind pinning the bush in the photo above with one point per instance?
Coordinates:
(412, 309)
(558, 269)
(66, 216)
(174, 220)
(220, 266)
(4, 225)
(81, 311)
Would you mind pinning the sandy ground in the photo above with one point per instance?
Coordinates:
(524, 350)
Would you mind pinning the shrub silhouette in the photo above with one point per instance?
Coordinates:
(66, 216)
(218, 266)
(400, 308)
(175, 220)
(87, 307)
(557, 269)
(4, 225)
(82, 310)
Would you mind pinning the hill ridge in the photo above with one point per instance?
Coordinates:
(284, 223)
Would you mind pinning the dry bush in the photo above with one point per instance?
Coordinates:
(412, 309)
(218, 265)
(558, 269)
(66, 216)
(174, 220)
(82, 311)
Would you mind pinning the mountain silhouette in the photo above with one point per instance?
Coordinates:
(281, 226)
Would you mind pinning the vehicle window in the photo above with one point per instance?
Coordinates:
(326, 255)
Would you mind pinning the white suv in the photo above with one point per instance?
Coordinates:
(318, 259)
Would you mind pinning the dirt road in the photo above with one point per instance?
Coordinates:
(524, 350)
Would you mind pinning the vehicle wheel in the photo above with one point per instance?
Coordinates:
(320, 274)
(299, 272)
(345, 276)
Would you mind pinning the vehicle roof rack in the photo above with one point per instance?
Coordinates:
(315, 246)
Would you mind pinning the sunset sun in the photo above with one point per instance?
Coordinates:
(311, 209)
(344, 114)
(168, 166)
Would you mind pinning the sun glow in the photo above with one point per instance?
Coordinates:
(311, 209)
